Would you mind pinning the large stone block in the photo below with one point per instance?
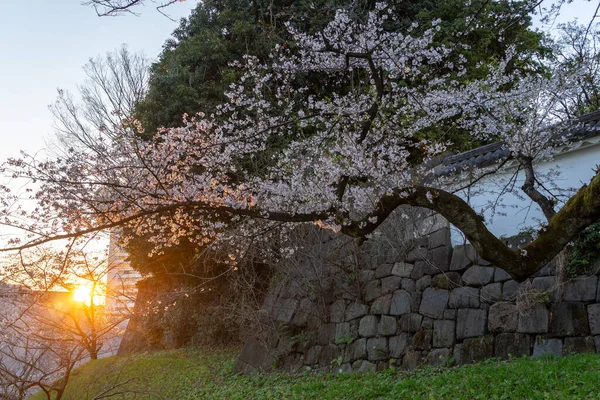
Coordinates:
(547, 286)
(345, 368)
(368, 326)
(366, 275)
(503, 317)
(477, 275)
(427, 323)
(306, 309)
(421, 269)
(417, 254)
(372, 290)
(547, 270)
(570, 319)
(382, 305)
(285, 309)
(359, 349)
(354, 327)
(433, 222)
(390, 284)
(439, 238)
(423, 283)
(434, 303)
(312, 356)
(422, 340)
(356, 310)
(397, 345)
(410, 322)
(409, 285)
(438, 357)
(477, 349)
(443, 333)
(387, 325)
(292, 289)
(363, 367)
(440, 258)
(293, 363)
(383, 270)
(464, 297)
(491, 292)
(342, 332)
(543, 346)
(326, 334)
(377, 349)
(594, 318)
(456, 354)
(446, 280)
(501, 275)
(579, 344)
(470, 323)
(512, 344)
(401, 301)
(328, 354)
(462, 257)
(415, 301)
(534, 320)
(450, 314)
(510, 289)
(412, 359)
(581, 289)
(402, 269)
(337, 311)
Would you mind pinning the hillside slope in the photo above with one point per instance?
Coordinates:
(204, 374)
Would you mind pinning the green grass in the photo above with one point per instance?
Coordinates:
(196, 374)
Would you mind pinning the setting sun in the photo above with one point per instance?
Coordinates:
(82, 294)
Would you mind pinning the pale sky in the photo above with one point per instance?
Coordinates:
(44, 46)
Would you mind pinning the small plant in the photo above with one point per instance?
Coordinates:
(528, 296)
(338, 361)
(344, 340)
(585, 251)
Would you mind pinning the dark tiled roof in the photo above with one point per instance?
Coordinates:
(585, 126)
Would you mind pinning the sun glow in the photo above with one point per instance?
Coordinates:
(82, 294)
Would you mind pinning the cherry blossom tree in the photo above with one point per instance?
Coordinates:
(353, 153)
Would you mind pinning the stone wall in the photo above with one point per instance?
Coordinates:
(407, 297)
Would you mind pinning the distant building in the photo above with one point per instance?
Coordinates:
(121, 280)
(499, 198)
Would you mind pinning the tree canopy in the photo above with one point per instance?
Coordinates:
(193, 71)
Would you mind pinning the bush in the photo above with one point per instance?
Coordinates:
(585, 252)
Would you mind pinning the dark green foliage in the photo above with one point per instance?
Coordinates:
(585, 252)
(193, 70)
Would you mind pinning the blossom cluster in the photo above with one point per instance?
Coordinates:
(325, 154)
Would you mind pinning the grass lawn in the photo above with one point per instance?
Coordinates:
(205, 374)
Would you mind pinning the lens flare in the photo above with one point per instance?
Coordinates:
(82, 294)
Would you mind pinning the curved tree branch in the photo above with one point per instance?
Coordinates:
(546, 204)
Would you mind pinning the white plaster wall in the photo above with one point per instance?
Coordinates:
(514, 212)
